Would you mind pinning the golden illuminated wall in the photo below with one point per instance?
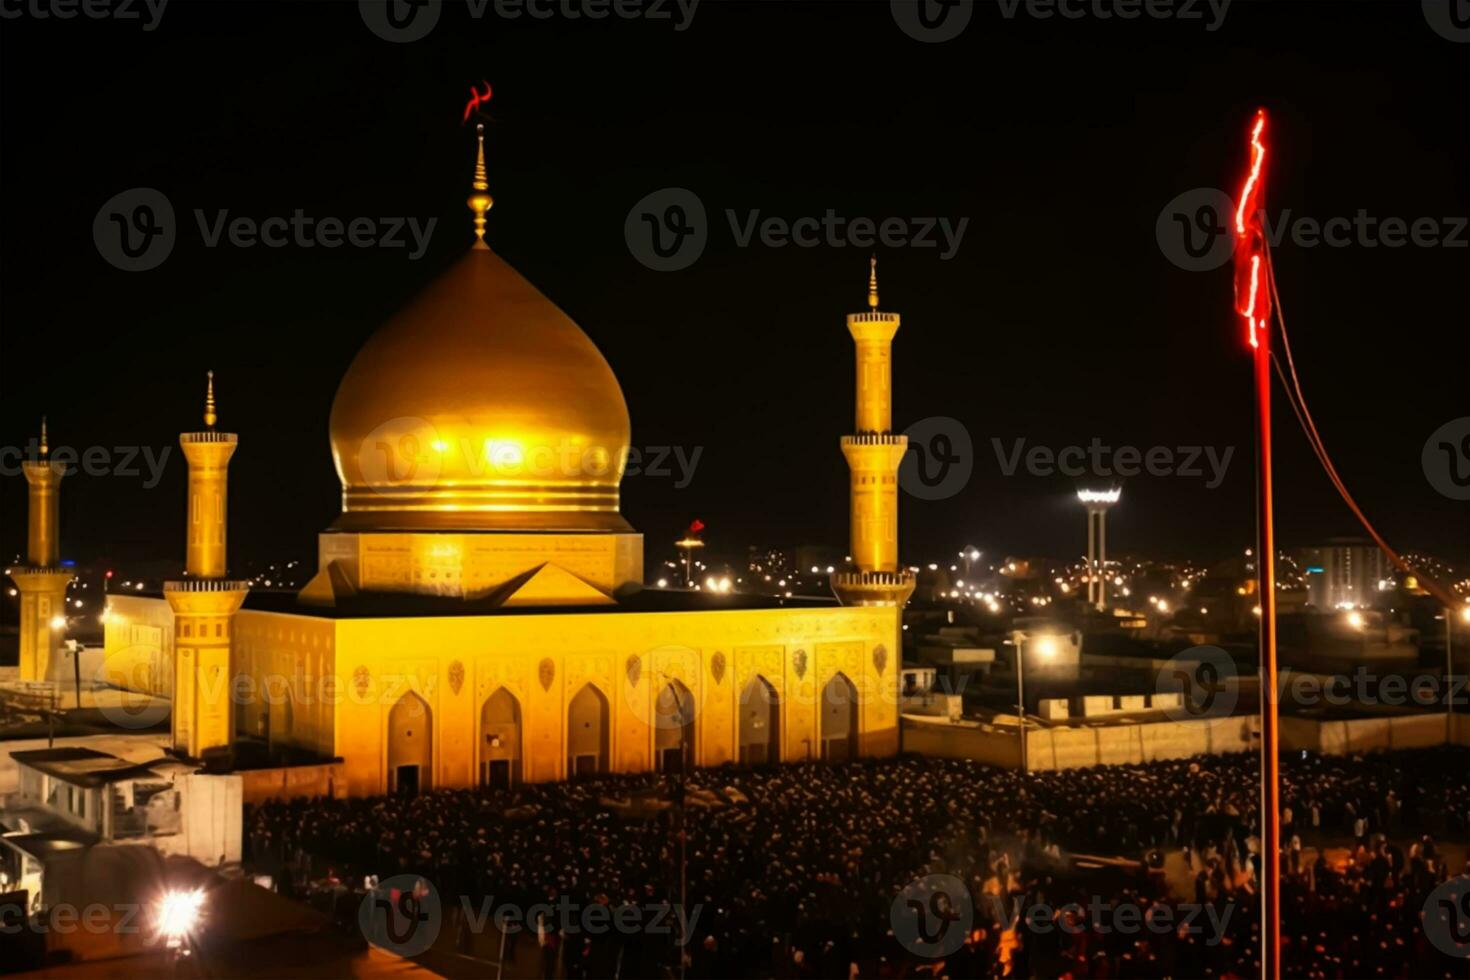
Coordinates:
(456, 663)
(470, 565)
(138, 644)
(286, 695)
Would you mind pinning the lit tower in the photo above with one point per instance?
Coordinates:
(204, 600)
(41, 581)
(1097, 503)
(873, 455)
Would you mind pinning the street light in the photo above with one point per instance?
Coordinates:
(1097, 503)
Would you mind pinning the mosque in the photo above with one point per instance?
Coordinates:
(478, 616)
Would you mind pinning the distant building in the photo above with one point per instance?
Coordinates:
(73, 798)
(1344, 573)
(768, 561)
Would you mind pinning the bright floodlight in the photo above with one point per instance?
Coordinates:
(1465, 614)
(179, 913)
(1045, 647)
(1100, 496)
(1355, 619)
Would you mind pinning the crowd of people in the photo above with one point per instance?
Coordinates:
(815, 870)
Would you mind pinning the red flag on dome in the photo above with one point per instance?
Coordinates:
(475, 100)
(695, 528)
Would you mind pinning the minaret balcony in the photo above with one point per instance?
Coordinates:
(206, 585)
(876, 439)
(208, 435)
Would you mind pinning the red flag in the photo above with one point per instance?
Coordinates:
(696, 527)
(1252, 269)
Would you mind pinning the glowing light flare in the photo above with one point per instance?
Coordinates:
(1100, 496)
(178, 913)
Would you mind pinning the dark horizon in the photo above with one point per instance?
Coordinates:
(1057, 320)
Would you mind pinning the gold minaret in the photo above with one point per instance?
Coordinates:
(204, 601)
(41, 581)
(873, 455)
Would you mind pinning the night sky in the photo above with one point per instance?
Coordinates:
(1057, 320)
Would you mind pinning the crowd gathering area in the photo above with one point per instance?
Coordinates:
(815, 870)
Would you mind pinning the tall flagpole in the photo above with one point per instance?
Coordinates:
(1253, 303)
(1270, 748)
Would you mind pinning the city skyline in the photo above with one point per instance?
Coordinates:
(1057, 320)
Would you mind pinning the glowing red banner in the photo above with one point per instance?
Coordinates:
(1252, 272)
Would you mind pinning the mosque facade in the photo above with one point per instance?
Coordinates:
(478, 616)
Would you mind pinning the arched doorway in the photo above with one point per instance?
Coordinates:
(673, 728)
(587, 726)
(500, 740)
(760, 723)
(410, 746)
(839, 719)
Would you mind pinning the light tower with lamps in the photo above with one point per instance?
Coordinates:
(1097, 503)
(41, 581)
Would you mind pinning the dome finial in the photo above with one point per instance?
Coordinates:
(45, 449)
(480, 201)
(873, 281)
(209, 414)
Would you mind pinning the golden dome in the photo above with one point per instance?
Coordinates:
(480, 406)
